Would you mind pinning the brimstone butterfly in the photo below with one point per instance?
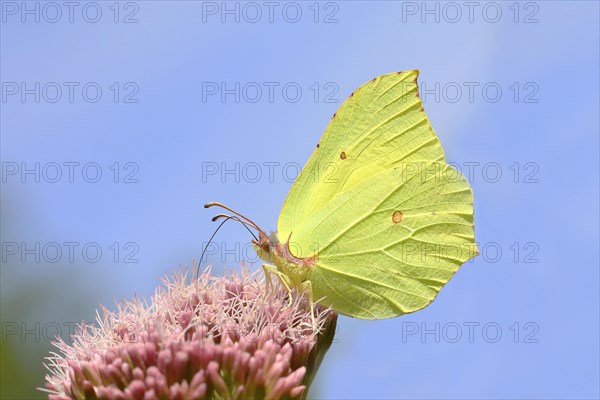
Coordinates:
(377, 222)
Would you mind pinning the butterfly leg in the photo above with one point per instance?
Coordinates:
(306, 287)
(271, 269)
(268, 269)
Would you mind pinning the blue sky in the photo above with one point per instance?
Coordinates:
(511, 89)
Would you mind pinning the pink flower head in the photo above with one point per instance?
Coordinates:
(216, 337)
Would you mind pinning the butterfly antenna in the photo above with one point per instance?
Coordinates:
(244, 223)
(250, 222)
(227, 218)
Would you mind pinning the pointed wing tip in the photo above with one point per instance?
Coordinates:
(411, 72)
(414, 71)
(476, 253)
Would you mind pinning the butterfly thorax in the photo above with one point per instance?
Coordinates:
(271, 250)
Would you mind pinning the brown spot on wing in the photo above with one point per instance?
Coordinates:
(343, 155)
(397, 217)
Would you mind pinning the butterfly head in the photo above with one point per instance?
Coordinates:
(269, 248)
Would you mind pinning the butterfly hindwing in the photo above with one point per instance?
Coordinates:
(389, 244)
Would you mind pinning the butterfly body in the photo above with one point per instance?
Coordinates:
(278, 254)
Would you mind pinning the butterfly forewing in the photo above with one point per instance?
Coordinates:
(379, 126)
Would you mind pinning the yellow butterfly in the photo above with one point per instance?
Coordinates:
(377, 223)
